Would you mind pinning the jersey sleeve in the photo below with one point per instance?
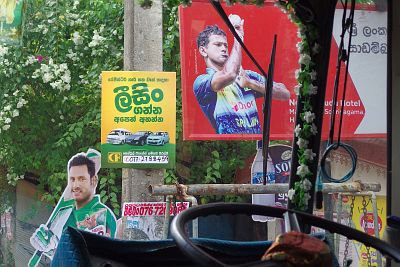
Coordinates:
(205, 96)
(202, 89)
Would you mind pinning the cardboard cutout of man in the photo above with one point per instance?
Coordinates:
(227, 93)
(79, 207)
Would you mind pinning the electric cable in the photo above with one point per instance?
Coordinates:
(344, 56)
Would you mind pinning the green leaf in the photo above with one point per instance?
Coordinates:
(215, 154)
(216, 166)
(217, 174)
(78, 131)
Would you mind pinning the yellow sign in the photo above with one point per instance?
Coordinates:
(138, 119)
(364, 221)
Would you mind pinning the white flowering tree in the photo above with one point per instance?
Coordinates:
(50, 89)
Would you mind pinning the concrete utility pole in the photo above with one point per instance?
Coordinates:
(142, 52)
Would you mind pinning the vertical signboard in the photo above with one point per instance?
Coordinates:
(138, 119)
(362, 218)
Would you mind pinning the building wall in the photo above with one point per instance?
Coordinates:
(29, 213)
(366, 171)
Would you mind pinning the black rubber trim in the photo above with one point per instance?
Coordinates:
(203, 259)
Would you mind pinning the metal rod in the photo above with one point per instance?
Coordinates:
(248, 189)
(376, 226)
(195, 222)
(339, 220)
(167, 216)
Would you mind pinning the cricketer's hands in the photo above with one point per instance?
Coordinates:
(43, 239)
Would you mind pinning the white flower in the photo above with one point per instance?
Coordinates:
(55, 84)
(114, 32)
(308, 154)
(36, 74)
(3, 51)
(21, 103)
(316, 48)
(309, 116)
(297, 73)
(66, 78)
(313, 75)
(15, 113)
(47, 77)
(305, 59)
(7, 108)
(5, 95)
(61, 117)
(45, 68)
(306, 197)
(297, 130)
(63, 67)
(302, 170)
(300, 47)
(77, 39)
(313, 90)
(6, 127)
(7, 120)
(30, 60)
(302, 143)
(297, 89)
(314, 130)
(307, 184)
(96, 39)
(291, 193)
(73, 56)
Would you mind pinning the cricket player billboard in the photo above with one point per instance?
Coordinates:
(211, 111)
(79, 207)
(138, 119)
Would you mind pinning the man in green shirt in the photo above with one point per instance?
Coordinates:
(79, 207)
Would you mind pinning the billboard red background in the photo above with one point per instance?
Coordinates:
(260, 25)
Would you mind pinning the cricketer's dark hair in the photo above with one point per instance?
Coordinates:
(83, 160)
(203, 37)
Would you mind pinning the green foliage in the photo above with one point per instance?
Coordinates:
(216, 162)
(110, 189)
(50, 101)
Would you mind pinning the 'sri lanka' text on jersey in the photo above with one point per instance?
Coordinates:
(233, 109)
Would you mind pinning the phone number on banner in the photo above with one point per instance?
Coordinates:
(152, 208)
(145, 159)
